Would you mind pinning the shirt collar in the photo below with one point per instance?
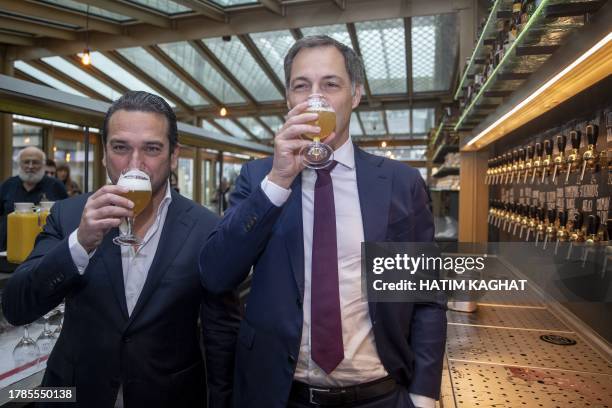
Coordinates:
(345, 154)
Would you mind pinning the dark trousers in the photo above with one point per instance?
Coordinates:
(399, 398)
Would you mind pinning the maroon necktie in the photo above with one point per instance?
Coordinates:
(326, 331)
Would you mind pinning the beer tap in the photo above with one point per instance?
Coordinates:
(512, 166)
(529, 162)
(562, 231)
(513, 215)
(521, 163)
(532, 221)
(551, 230)
(548, 161)
(502, 214)
(500, 168)
(608, 250)
(573, 157)
(592, 236)
(541, 225)
(590, 156)
(507, 215)
(560, 158)
(491, 211)
(576, 232)
(524, 220)
(539, 151)
(489, 170)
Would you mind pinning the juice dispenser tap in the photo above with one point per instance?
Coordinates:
(560, 158)
(537, 164)
(548, 161)
(590, 156)
(551, 230)
(573, 157)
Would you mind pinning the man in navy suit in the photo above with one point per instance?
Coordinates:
(130, 331)
(310, 337)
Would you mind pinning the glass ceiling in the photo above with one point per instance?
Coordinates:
(239, 61)
(41, 76)
(354, 126)
(255, 127)
(163, 75)
(398, 121)
(337, 31)
(373, 124)
(79, 75)
(274, 45)
(207, 126)
(273, 122)
(192, 62)
(383, 48)
(399, 152)
(95, 11)
(227, 3)
(423, 120)
(434, 51)
(232, 128)
(165, 6)
(126, 79)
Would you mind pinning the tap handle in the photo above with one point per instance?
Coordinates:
(609, 228)
(578, 220)
(532, 211)
(561, 142)
(575, 137)
(530, 152)
(592, 224)
(538, 149)
(592, 131)
(563, 218)
(552, 214)
(541, 214)
(548, 146)
(515, 155)
(522, 154)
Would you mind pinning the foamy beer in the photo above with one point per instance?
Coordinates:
(138, 184)
(318, 155)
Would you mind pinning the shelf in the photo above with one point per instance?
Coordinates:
(442, 151)
(544, 32)
(446, 171)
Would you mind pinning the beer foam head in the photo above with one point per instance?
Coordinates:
(135, 180)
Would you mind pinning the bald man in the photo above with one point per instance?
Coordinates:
(29, 186)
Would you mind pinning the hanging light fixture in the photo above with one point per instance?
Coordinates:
(86, 56)
(223, 111)
(383, 144)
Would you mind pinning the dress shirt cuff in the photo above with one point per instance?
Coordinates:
(275, 193)
(421, 401)
(79, 255)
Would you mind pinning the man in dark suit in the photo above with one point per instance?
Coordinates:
(130, 331)
(310, 337)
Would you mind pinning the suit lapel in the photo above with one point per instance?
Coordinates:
(111, 255)
(294, 236)
(374, 185)
(173, 236)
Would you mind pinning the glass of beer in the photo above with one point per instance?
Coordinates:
(318, 155)
(138, 184)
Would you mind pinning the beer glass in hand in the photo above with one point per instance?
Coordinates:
(318, 155)
(138, 184)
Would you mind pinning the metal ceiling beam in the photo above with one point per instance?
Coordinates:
(246, 130)
(27, 77)
(360, 123)
(180, 72)
(267, 69)
(15, 39)
(385, 123)
(254, 19)
(96, 73)
(350, 27)
(212, 59)
(341, 4)
(32, 27)
(67, 79)
(264, 125)
(219, 127)
(120, 60)
(205, 9)
(44, 11)
(135, 12)
(273, 6)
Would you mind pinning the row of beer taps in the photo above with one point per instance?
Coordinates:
(548, 225)
(536, 160)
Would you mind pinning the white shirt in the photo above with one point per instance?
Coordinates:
(135, 262)
(361, 362)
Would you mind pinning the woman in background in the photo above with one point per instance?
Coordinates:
(63, 174)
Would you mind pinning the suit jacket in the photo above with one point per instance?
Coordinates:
(155, 352)
(409, 337)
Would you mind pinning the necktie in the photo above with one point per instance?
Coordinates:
(326, 330)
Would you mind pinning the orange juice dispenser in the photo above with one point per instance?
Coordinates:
(22, 229)
(45, 209)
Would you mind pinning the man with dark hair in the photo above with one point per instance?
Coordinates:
(50, 168)
(30, 185)
(308, 326)
(130, 332)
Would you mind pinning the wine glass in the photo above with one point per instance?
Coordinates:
(26, 349)
(318, 155)
(60, 308)
(138, 184)
(46, 340)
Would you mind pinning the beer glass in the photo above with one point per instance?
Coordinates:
(318, 155)
(138, 184)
